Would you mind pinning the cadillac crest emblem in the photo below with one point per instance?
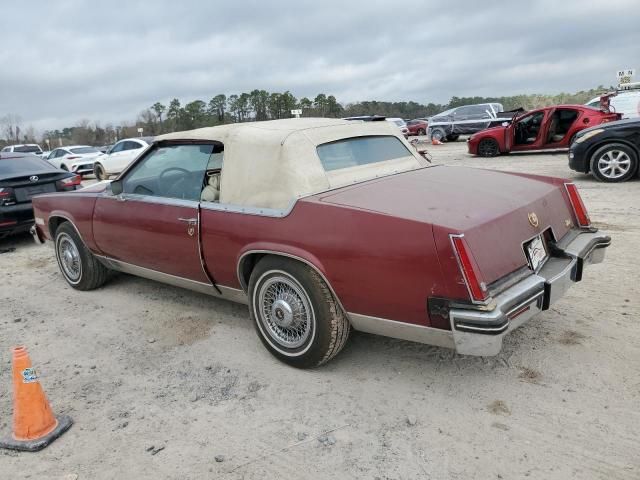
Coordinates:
(533, 220)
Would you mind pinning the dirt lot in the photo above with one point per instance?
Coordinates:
(166, 383)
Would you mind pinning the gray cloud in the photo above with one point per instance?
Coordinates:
(67, 60)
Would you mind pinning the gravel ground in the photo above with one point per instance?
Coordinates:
(166, 383)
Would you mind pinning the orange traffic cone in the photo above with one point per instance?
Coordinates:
(435, 141)
(34, 425)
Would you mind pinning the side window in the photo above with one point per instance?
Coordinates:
(118, 147)
(6, 149)
(173, 171)
(131, 145)
(481, 111)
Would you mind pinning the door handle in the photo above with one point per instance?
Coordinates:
(191, 225)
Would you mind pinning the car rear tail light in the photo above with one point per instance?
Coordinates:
(7, 223)
(71, 181)
(578, 207)
(477, 288)
(73, 157)
(6, 196)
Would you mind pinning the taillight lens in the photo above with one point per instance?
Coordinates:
(6, 195)
(73, 157)
(477, 288)
(71, 181)
(578, 207)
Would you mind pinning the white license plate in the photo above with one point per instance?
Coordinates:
(536, 252)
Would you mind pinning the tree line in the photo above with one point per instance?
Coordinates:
(257, 105)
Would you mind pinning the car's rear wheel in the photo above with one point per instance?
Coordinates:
(421, 131)
(488, 147)
(99, 172)
(296, 315)
(614, 162)
(79, 267)
(438, 134)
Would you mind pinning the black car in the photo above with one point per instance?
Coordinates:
(22, 176)
(609, 151)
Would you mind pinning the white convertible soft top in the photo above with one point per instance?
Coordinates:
(270, 164)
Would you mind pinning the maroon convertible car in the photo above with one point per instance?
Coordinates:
(324, 225)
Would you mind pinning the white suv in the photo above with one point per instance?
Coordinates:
(120, 156)
(25, 148)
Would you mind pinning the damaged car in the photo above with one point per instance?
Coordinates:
(542, 130)
(322, 226)
(465, 120)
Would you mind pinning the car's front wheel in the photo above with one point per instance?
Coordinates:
(488, 147)
(99, 172)
(438, 134)
(79, 267)
(296, 315)
(614, 162)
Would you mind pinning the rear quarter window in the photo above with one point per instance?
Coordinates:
(352, 152)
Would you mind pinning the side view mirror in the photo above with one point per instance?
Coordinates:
(116, 187)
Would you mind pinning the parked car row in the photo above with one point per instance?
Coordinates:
(23, 175)
(85, 159)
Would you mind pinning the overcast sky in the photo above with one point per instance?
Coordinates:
(62, 61)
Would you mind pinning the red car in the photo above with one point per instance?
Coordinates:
(549, 128)
(323, 225)
(417, 127)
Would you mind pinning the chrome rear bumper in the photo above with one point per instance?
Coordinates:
(480, 331)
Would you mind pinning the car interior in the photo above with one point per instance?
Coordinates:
(560, 124)
(528, 129)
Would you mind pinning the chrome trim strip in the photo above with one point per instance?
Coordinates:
(134, 197)
(264, 212)
(402, 330)
(283, 254)
(232, 294)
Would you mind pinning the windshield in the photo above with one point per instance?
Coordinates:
(81, 150)
(27, 149)
(352, 152)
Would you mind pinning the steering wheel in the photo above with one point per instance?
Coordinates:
(166, 189)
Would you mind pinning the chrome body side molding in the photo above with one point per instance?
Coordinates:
(402, 331)
(231, 294)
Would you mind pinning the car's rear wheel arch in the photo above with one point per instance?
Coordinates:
(248, 260)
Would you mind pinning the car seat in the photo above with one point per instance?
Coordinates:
(211, 192)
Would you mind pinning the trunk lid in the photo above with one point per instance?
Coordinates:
(490, 208)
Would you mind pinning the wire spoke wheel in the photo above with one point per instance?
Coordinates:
(69, 257)
(285, 311)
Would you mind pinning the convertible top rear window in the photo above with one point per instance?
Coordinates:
(352, 152)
